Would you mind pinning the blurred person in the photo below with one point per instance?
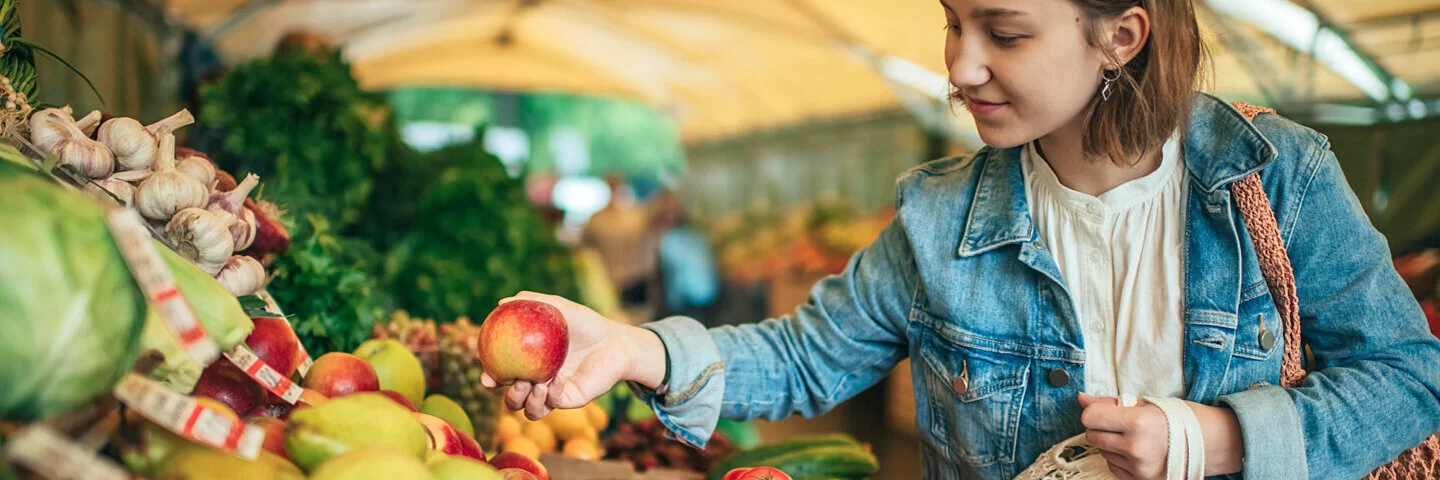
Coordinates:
(626, 234)
(688, 272)
(1091, 251)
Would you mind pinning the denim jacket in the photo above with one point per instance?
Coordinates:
(961, 283)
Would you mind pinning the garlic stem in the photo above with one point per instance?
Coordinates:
(171, 123)
(233, 201)
(88, 123)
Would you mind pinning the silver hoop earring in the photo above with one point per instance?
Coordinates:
(1108, 83)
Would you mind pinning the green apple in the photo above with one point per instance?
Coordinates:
(445, 408)
(397, 368)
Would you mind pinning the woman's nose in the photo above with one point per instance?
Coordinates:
(970, 68)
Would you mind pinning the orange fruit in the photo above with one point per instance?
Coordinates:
(523, 446)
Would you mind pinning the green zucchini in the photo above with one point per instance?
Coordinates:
(841, 461)
(757, 456)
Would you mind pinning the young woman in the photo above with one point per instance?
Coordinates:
(1092, 251)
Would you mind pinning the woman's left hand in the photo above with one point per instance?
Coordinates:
(1134, 440)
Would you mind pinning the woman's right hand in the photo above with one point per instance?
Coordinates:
(602, 353)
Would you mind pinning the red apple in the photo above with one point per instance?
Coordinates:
(400, 399)
(275, 343)
(337, 374)
(447, 439)
(225, 383)
(516, 474)
(310, 398)
(274, 434)
(275, 409)
(523, 340)
(507, 460)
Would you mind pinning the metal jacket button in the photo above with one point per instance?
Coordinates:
(961, 382)
(1267, 340)
(1058, 377)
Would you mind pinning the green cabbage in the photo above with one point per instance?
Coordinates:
(70, 312)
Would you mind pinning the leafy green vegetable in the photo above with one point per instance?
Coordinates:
(70, 312)
(469, 239)
(324, 282)
(303, 125)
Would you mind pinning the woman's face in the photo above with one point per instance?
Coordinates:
(1022, 67)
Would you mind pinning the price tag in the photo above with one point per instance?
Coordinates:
(182, 415)
(263, 373)
(274, 308)
(52, 455)
(159, 285)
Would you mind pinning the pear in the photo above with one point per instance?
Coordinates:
(461, 468)
(197, 463)
(364, 419)
(445, 408)
(372, 463)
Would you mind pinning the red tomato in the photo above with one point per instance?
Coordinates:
(763, 473)
(736, 473)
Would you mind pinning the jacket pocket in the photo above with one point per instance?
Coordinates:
(976, 397)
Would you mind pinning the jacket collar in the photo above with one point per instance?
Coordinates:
(1221, 146)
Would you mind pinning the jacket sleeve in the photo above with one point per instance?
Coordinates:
(1376, 388)
(849, 336)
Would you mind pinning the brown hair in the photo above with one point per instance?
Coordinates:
(1151, 97)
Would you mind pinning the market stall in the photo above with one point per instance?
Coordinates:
(241, 296)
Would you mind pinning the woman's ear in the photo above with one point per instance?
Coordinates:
(1128, 34)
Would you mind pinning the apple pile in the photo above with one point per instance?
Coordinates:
(363, 412)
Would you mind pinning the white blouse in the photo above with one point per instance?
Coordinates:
(1120, 255)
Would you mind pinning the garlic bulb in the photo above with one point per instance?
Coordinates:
(46, 127)
(201, 237)
(168, 191)
(91, 158)
(233, 203)
(245, 235)
(54, 133)
(242, 275)
(199, 169)
(120, 188)
(136, 146)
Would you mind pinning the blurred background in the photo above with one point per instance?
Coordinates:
(661, 157)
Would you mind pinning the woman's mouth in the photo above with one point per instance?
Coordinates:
(981, 107)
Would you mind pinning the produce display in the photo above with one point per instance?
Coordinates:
(762, 243)
(173, 317)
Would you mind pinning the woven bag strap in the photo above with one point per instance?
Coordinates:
(1264, 232)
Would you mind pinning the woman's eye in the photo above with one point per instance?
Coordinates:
(1005, 40)
(952, 28)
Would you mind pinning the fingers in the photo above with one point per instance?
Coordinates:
(535, 407)
(1119, 466)
(1110, 442)
(1086, 400)
(487, 381)
(515, 396)
(1106, 417)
